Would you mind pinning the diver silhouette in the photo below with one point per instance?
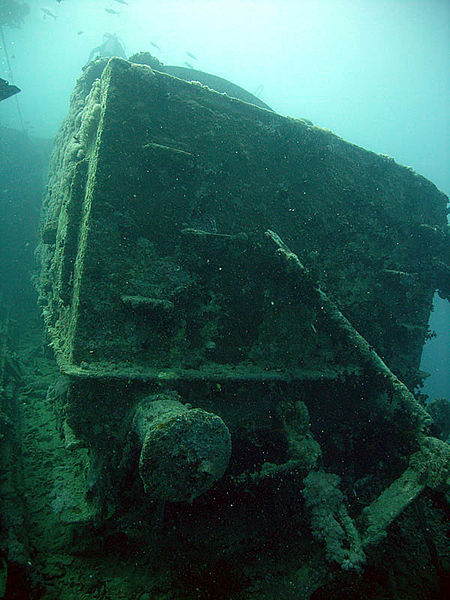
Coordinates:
(112, 46)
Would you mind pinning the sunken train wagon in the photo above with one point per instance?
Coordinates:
(238, 303)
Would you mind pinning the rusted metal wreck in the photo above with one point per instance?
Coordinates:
(238, 303)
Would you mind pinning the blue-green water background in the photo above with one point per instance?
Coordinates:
(376, 72)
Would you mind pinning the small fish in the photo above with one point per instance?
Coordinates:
(192, 55)
(188, 64)
(111, 11)
(155, 45)
(80, 32)
(48, 12)
(7, 89)
(121, 2)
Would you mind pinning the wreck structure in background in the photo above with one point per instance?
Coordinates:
(238, 303)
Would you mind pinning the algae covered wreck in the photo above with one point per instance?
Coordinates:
(237, 302)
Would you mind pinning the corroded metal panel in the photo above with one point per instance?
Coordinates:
(150, 159)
